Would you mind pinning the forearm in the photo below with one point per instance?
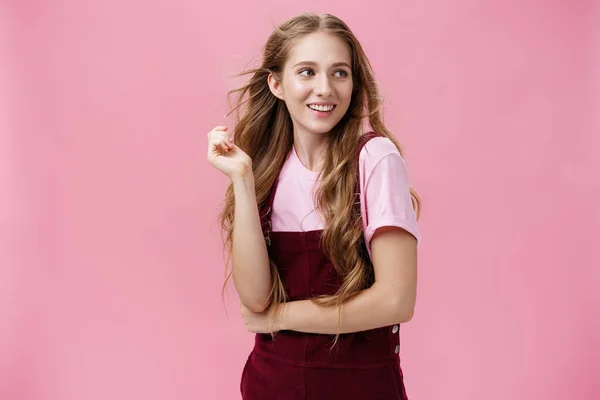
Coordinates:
(250, 260)
(371, 308)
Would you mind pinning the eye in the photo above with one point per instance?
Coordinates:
(306, 72)
(341, 73)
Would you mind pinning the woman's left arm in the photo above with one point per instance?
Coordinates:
(390, 300)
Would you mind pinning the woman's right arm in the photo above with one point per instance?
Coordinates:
(250, 261)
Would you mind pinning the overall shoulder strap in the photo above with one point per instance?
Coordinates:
(365, 138)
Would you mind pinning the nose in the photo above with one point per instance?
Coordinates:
(323, 86)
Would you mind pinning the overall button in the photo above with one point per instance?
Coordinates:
(397, 349)
(395, 329)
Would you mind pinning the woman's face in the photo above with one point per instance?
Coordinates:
(316, 82)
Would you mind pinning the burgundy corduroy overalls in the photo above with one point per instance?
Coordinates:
(301, 366)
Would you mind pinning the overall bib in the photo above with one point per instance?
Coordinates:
(303, 366)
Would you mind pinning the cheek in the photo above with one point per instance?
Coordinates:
(299, 90)
(346, 92)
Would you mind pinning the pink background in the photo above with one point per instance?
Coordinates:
(111, 265)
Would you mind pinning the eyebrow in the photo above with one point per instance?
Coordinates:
(337, 64)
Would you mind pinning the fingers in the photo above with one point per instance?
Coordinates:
(220, 139)
(221, 142)
(220, 128)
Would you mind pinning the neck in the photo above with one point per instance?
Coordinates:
(310, 148)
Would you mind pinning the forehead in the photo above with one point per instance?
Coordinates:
(319, 47)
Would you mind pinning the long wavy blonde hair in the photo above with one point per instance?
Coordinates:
(263, 129)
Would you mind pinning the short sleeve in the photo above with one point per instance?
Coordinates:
(385, 190)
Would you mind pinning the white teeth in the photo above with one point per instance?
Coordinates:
(320, 108)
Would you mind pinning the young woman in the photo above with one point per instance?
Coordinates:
(320, 221)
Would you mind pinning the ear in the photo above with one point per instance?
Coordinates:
(275, 86)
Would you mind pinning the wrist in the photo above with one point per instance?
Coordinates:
(243, 181)
(243, 176)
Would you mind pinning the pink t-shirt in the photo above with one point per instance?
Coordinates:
(385, 196)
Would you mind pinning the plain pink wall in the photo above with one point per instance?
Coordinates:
(111, 285)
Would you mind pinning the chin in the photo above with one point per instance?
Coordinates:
(320, 129)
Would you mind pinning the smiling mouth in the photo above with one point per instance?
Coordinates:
(320, 108)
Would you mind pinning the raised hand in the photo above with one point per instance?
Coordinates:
(225, 155)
